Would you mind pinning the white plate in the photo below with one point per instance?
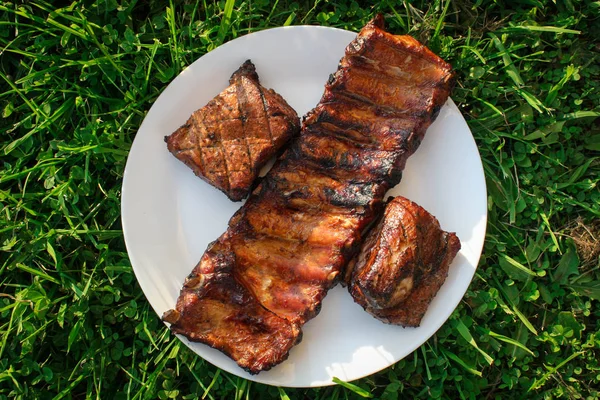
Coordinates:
(170, 216)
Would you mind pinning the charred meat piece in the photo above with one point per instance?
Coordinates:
(402, 264)
(229, 140)
(214, 308)
(289, 243)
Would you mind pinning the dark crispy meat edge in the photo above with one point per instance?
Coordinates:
(251, 371)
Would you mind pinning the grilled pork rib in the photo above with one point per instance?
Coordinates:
(229, 140)
(285, 248)
(214, 308)
(402, 264)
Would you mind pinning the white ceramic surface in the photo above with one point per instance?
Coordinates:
(169, 215)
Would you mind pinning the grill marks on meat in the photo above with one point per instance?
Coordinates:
(402, 264)
(229, 140)
(289, 243)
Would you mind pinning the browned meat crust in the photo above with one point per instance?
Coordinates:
(216, 309)
(286, 247)
(230, 139)
(402, 264)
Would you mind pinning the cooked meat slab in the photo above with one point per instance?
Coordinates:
(214, 308)
(230, 139)
(402, 264)
(289, 243)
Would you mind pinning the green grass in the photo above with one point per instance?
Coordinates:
(77, 78)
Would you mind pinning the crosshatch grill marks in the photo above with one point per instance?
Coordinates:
(257, 122)
(219, 144)
(242, 107)
(227, 141)
(196, 132)
(265, 109)
(213, 151)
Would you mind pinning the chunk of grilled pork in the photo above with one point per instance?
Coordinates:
(402, 264)
(230, 139)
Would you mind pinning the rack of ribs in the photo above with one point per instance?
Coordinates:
(266, 276)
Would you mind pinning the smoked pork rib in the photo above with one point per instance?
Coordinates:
(402, 264)
(286, 246)
(228, 141)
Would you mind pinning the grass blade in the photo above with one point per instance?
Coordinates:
(73, 335)
(581, 114)
(68, 390)
(464, 332)
(535, 28)
(524, 320)
(538, 383)
(37, 272)
(8, 329)
(545, 131)
(212, 383)
(283, 395)
(34, 107)
(356, 389)
(173, 40)
(513, 309)
(508, 340)
(570, 71)
(518, 265)
(511, 70)
(225, 21)
(426, 362)
(440, 22)
(550, 231)
(399, 18)
(532, 100)
(460, 362)
(290, 19)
